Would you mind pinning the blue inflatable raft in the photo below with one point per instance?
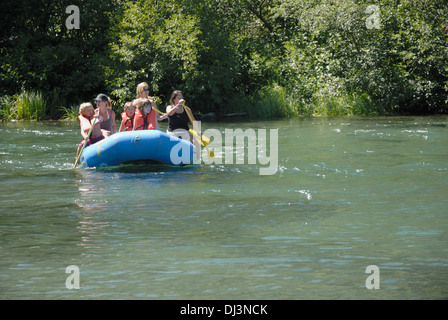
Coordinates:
(142, 145)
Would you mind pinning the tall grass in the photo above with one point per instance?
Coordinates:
(30, 105)
(346, 104)
(275, 101)
(27, 105)
(8, 110)
(272, 101)
(70, 114)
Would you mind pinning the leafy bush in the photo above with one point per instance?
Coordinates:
(267, 58)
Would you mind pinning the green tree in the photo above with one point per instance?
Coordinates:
(400, 63)
(232, 55)
(174, 45)
(39, 52)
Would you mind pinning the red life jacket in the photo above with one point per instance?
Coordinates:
(87, 123)
(145, 123)
(128, 122)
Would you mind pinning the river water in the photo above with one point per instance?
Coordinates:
(348, 193)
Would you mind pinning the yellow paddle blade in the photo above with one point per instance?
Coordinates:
(197, 137)
(210, 153)
(204, 140)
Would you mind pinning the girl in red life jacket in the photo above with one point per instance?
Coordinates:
(145, 116)
(142, 94)
(127, 117)
(86, 116)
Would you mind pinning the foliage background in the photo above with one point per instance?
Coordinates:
(269, 58)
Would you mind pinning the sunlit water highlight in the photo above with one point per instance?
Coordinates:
(348, 193)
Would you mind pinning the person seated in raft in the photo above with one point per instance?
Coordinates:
(178, 117)
(86, 116)
(145, 116)
(143, 93)
(127, 117)
(104, 107)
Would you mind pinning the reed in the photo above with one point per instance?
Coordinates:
(8, 110)
(346, 104)
(30, 105)
(70, 113)
(272, 101)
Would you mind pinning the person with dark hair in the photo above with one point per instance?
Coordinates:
(104, 107)
(178, 115)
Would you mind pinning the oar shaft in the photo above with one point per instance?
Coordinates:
(159, 111)
(191, 119)
(210, 153)
(85, 142)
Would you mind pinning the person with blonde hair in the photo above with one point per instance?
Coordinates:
(86, 116)
(127, 117)
(143, 93)
(142, 90)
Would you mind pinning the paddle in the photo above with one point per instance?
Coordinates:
(203, 140)
(211, 154)
(85, 142)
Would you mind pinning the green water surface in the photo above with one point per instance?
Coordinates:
(348, 193)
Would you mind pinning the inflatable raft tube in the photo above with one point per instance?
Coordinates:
(141, 145)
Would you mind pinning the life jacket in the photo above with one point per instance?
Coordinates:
(145, 123)
(128, 122)
(86, 121)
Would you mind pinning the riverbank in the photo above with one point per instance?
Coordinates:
(32, 105)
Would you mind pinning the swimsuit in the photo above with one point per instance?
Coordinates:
(178, 121)
(107, 124)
